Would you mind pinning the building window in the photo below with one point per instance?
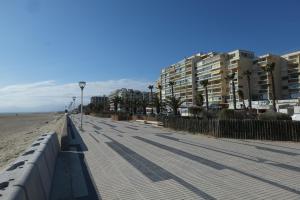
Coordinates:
(285, 87)
(292, 57)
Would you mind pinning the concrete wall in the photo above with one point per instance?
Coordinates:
(64, 134)
(30, 176)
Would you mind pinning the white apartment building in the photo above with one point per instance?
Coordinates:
(264, 84)
(215, 67)
(182, 74)
(212, 68)
(293, 70)
(127, 95)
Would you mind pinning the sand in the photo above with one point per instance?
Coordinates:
(18, 132)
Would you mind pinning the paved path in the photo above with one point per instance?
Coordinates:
(135, 161)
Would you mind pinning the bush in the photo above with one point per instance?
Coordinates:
(271, 115)
(121, 116)
(226, 114)
(211, 114)
(235, 114)
(195, 110)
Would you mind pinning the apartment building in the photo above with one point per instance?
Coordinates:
(293, 70)
(99, 99)
(188, 73)
(129, 95)
(240, 61)
(212, 68)
(263, 83)
(182, 74)
(216, 67)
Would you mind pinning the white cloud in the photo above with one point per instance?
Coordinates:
(51, 96)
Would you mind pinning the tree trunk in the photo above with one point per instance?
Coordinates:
(206, 96)
(273, 92)
(175, 111)
(249, 93)
(151, 101)
(233, 93)
(160, 100)
(116, 107)
(158, 109)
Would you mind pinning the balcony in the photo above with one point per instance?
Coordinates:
(262, 91)
(216, 76)
(262, 63)
(210, 60)
(233, 66)
(215, 92)
(214, 86)
(294, 71)
(263, 82)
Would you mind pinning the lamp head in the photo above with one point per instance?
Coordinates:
(82, 84)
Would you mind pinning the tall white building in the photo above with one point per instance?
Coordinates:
(188, 73)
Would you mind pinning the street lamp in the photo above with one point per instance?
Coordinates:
(151, 96)
(81, 85)
(74, 107)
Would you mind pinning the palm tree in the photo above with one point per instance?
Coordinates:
(269, 68)
(157, 104)
(248, 73)
(174, 103)
(241, 95)
(204, 83)
(159, 87)
(172, 83)
(143, 103)
(116, 100)
(125, 102)
(131, 99)
(150, 87)
(134, 105)
(199, 100)
(231, 77)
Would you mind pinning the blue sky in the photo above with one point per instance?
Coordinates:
(63, 41)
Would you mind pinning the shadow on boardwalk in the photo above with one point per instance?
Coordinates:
(72, 178)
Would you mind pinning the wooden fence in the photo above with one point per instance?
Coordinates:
(239, 129)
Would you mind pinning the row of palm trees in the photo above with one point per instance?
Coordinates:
(269, 68)
(175, 102)
(130, 105)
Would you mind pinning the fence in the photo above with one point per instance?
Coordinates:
(239, 129)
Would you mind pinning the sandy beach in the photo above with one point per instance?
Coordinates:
(17, 132)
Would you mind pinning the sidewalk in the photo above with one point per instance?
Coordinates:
(72, 179)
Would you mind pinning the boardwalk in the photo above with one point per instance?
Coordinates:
(136, 161)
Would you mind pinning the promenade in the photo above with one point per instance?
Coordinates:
(128, 160)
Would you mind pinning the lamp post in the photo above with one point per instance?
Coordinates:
(81, 85)
(74, 107)
(151, 96)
